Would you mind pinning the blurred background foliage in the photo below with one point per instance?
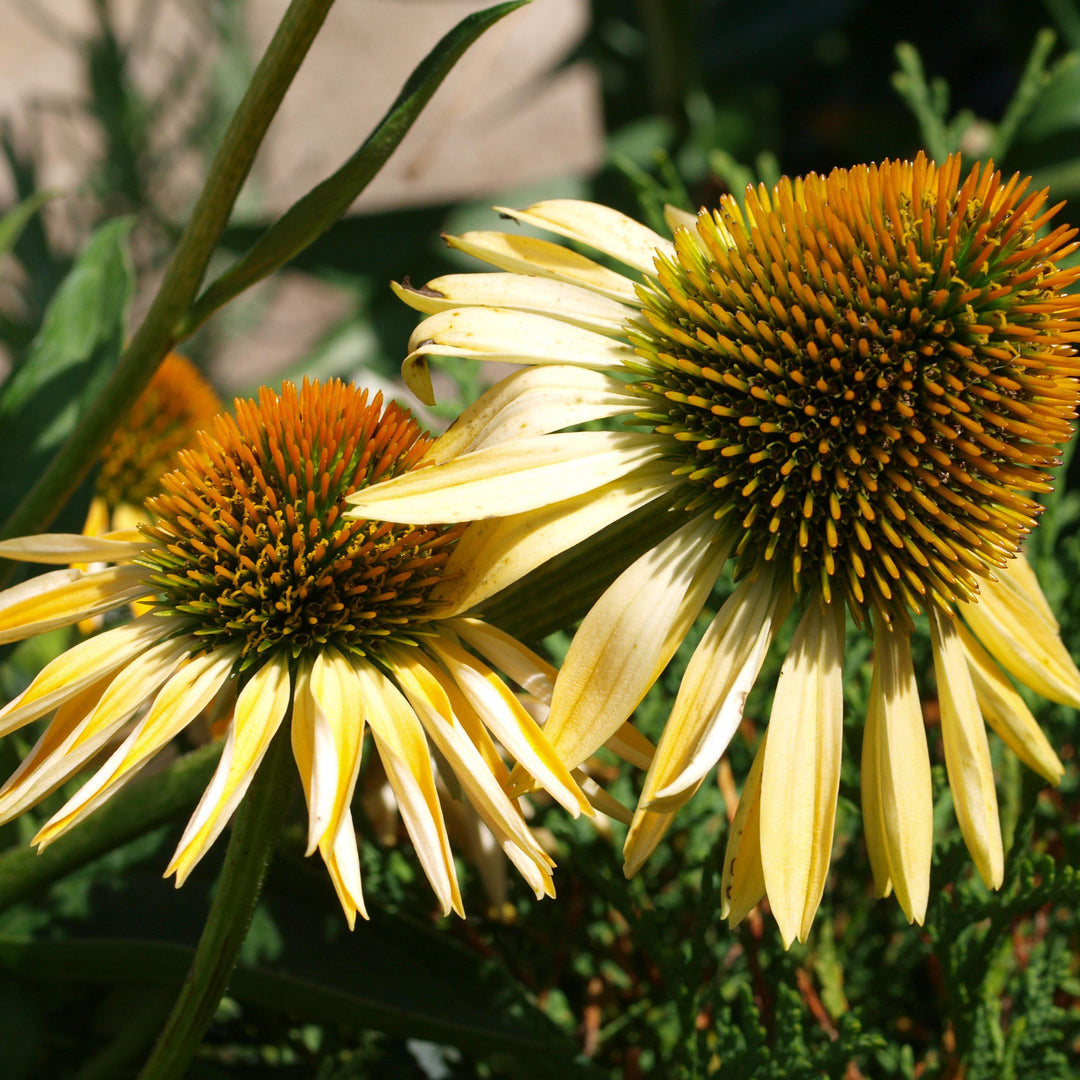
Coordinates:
(613, 978)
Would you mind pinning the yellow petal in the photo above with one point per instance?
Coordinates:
(63, 597)
(508, 721)
(494, 553)
(1018, 573)
(521, 292)
(509, 478)
(338, 740)
(515, 337)
(677, 218)
(532, 673)
(403, 749)
(629, 744)
(647, 829)
(1023, 642)
(179, 701)
(78, 667)
(742, 882)
(342, 861)
(801, 770)
(600, 227)
(542, 258)
(533, 401)
(260, 708)
(896, 775)
(709, 706)
(68, 548)
(967, 755)
(1004, 710)
(628, 637)
(877, 847)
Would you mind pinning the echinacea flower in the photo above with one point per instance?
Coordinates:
(177, 403)
(850, 389)
(258, 581)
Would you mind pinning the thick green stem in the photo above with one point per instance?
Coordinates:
(158, 332)
(255, 831)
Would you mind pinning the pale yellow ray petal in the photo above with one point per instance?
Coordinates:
(186, 693)
(742, 881)
(1016, 633)
(69, 548)
(628, 637)
(98, 518)
(403, 749)
(507, 720)
(647, 829)
(63, 597)
(967, 754)
(542, 258)
(494, 553)
(801, 770)
(427, 694)
(600, 227)
(633, 747)
(877, 847)
(302, 726)
(533, 401)
(600, 800)
(509, 478)
(515, 337)
(899, 772)
(46, 766)
(520, 292)
(260, 708)
(531, 672)
(338, 741)
(712, 694)
(1019, 572)
(342, 861)
(677, 218)
(79, 666)
(1004, 710)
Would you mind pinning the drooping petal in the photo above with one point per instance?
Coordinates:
(1004, 710)
(600, 227)
(81, 665)
(742, 882)
(712, 694)
(69, 548)
(260, 708)
(186, 693)
(542, 258)
(967, 754)
(647, 829)
(628, 637)
(1017, 634)
(494, 553)
(531, 672)
(63, 597)
(533, 401)
(800, 775)
(677, 218)
(1018, 572)
(520, 292)
(898, 802)
(508, 721)
(509, 478)
(515, 337)
(399, 738)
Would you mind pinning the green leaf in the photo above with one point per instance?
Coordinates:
(309, 218)
(14, 221)
(68, 361)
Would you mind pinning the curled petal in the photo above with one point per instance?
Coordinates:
(742, 882)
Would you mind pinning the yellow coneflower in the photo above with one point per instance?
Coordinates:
(850, 388)
(256, 578)
(177, 402)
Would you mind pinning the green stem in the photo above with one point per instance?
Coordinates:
(159, 330)
(143, 805)
(255, 831)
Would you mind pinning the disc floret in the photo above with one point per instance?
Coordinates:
(871, 373)
(251, 548)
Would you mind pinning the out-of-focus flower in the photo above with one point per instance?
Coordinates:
(255, 576)
(850, 389)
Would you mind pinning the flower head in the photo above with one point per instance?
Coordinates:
(259, 585)
(851, 388)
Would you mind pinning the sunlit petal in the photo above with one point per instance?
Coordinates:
(742, 881)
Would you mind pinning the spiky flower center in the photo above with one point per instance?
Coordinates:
(870, 371)
(251, 545)
(176, 403)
